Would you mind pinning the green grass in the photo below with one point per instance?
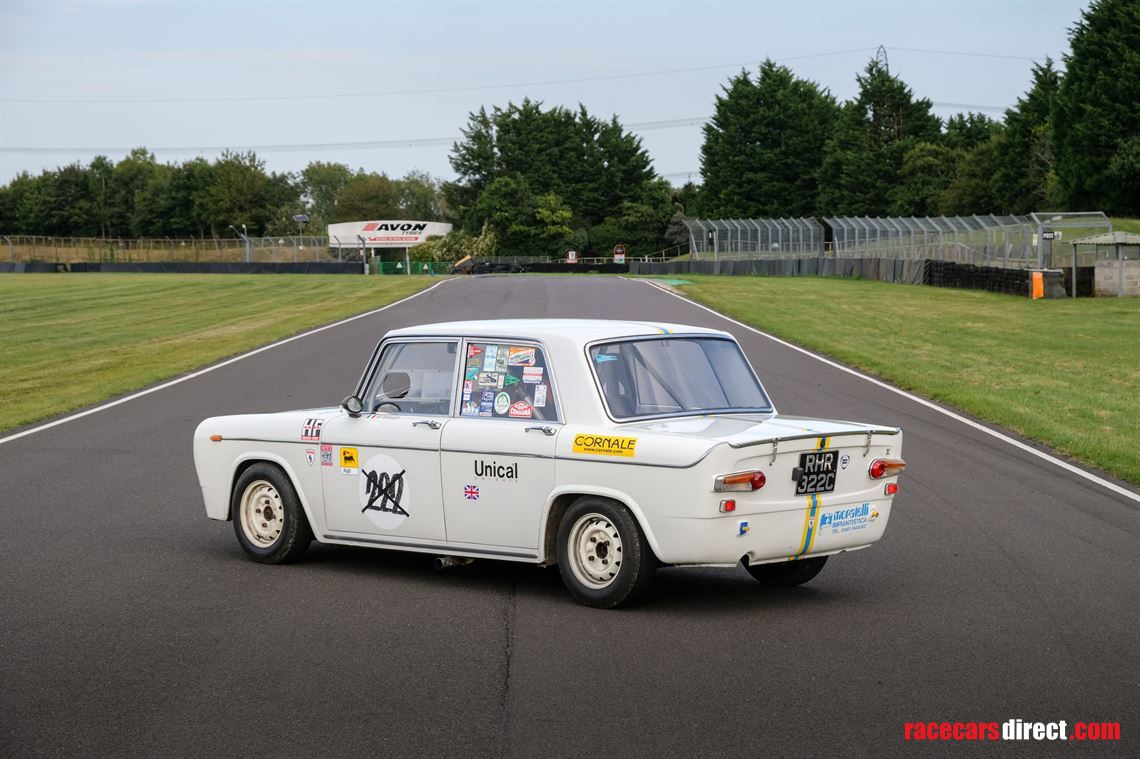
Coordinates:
(1064, 372)
(1120, 224)
(71, 340)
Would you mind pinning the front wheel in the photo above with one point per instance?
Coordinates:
(268, 519)
(603, 558)
(787, 574)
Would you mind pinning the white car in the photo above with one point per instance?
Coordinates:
(607, 447)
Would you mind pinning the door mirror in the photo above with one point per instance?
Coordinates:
(353, 405)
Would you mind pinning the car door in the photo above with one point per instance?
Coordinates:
(380, 470)
(498, 453)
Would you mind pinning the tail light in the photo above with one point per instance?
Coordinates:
(885, 468)
(746, 481)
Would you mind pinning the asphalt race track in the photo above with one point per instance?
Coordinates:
(132, 626)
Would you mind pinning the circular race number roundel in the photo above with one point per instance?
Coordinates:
(384, 492)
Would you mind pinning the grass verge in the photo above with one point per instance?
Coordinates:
(1064, 372)
(71, 340)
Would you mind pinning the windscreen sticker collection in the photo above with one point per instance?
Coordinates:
(504, 381)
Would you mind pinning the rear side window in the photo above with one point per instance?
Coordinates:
(507, 381)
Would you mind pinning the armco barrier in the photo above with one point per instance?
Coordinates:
(884, 269)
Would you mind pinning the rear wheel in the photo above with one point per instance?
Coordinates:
(603, 558)
(787, 574)
(268, 519)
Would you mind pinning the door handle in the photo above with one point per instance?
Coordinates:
(430, 423)
(544, 429)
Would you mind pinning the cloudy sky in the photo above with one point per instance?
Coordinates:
(387, 86)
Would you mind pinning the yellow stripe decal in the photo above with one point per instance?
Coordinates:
(815, 527)
(807, 539)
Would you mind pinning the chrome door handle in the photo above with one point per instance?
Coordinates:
(544, 429)
(430, 423)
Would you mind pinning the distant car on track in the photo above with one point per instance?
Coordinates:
(607, 447)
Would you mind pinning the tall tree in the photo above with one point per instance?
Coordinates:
(864, 156)
(320, 184)
(593, 166)
(971, 191)
(367, 196)
(965, 131)
(1025, 172)
(1097, 122)
(764, 145)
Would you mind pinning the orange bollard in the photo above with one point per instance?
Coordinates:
(1037, 285)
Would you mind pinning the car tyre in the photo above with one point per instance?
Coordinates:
(604, 559)
(269, 522)
(787, 574)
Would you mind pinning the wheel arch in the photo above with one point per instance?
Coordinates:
(560, 500)
(247, 460)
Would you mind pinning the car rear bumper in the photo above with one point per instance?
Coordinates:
(814, 530)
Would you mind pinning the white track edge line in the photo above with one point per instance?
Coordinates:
(208, 369)
(921, 401)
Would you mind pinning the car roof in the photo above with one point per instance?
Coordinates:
(581, 331)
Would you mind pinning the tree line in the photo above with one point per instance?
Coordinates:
(535, 181)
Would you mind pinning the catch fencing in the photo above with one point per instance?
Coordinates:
(1033, 241)
(283, 249)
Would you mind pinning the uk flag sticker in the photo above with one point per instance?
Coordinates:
(471, 492)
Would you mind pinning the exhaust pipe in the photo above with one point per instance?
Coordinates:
(446, 562)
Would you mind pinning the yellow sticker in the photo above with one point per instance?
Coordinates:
(605, 445)
(349, 458)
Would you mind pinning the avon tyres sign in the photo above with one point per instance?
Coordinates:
(398, 233)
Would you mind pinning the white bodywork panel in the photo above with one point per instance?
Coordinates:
(489, 487)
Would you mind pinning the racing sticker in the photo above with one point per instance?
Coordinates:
(489, 358)
(326, 455)
(520, 356)
(471, 492)
(605, 445)
(349, 460)
(311, 430)
(310, 456)
(540, 396)
(846, 519)
(384, 493)
(468, 388)
(471, 373)
(486, 379)
(470, 408)
(502, 403)
(501, 360)
(473, 351)
(532, 374)
(521, 409)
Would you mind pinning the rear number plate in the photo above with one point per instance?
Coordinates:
(819, 469)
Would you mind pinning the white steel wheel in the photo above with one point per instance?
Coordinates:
(595, 551)
(262, 513)
(269, 522)
(603, 557)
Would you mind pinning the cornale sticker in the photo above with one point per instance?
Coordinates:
(605, 445)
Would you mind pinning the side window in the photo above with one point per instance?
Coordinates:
(507, 381)
(413, 378)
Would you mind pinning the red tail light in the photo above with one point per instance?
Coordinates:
(891, 488)
(885, 468)
(746, 481)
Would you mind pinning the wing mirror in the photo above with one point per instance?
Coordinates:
(353, 405)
